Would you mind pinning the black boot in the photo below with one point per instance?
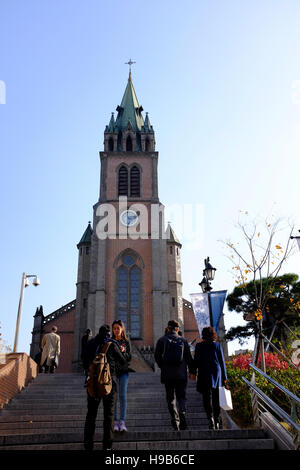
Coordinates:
(218, 423)
(211, 423)
(175, 424)
(89, 446)
(183, 423)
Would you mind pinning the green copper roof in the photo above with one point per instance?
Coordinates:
(172, 238)
(129, 111)
(111, 125)
(87, 236)
(147, 126)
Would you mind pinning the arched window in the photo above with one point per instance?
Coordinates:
(123, 181)
(129, 295)
(134, 302)
(135, 182)
(122, 295)
(110, 144)
(128, 144)
(147, 145)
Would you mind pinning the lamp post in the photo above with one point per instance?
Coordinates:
(208, 275)
(24, 283)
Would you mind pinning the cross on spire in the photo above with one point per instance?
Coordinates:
(130, 62)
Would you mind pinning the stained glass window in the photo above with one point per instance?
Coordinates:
(129, 286)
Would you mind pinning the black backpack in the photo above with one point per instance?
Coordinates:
(173, 350)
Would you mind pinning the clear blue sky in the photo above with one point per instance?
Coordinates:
(219, 80)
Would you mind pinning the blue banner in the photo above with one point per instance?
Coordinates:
(217, 300)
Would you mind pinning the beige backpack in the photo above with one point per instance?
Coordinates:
(100, 381)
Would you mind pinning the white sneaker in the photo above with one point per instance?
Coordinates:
(116, 427)
(122, 426)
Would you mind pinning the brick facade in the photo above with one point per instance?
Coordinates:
(19, 369)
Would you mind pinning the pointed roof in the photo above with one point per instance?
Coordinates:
(86, 237)
(147, 125)
(39, 312)
(172, 238)
(111, 125)
(129, 110)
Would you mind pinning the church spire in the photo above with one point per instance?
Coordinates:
(129, 110)
(129, 132)
(86, 238)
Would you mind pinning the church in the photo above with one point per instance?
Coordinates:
(129, 264)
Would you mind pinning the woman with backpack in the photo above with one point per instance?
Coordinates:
(210, 364)
(102, 344)
(122, 373)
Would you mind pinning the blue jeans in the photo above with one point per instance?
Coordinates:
(122, 381)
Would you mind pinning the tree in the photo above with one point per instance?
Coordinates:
(4, 349)
(266, 296)
(281, 310)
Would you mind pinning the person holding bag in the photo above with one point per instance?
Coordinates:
(211, 374)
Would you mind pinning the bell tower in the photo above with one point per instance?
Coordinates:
(128, 265)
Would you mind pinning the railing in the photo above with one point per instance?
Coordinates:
(59, 312)
(284, 427)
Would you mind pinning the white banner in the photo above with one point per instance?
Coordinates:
(201, 310)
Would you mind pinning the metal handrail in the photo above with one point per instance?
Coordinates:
(279, 352)
(281, 387)
(273, 405)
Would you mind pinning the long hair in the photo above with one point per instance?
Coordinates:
(123, 332)
(209, 334)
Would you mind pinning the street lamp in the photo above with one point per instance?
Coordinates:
(209, 270)
(209, 275)
(24, 283)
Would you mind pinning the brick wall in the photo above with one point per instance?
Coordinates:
(18, 371)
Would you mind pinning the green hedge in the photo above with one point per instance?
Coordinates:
(241, 398)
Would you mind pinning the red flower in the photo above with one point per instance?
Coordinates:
(273, 361)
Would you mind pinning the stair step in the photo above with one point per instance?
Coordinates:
(130, 422)
(134, 436)
(19, 419)
(57, 405)
(233, 444)
(165, 427)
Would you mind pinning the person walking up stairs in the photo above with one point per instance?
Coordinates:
(173, 356)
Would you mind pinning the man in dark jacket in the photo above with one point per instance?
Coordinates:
(173, 355)
(114, 358)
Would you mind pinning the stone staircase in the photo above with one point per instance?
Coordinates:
(50, 414)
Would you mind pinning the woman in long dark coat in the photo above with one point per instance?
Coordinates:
(211, 374)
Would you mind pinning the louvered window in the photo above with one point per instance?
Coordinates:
(135, 182)
(128, 144)
(123, 181)
(110, 145)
